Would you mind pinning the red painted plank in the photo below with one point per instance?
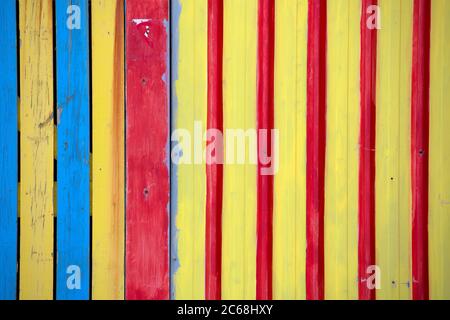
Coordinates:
(147, 132)
(366, 247)
(265, 119)
(420, 115)
(315, 148)
(214, 169)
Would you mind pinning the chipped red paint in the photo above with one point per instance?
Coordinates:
(214, 171)
(366, 234)
(420, 115)
(265, 120)
(316, 143)
(147, 132)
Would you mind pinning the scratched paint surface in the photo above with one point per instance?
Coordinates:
(147, 137)
(36, 156)
(73, 152)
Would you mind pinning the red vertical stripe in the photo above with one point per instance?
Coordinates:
(147, 132)
(265, 119)
(420, 146)
(366, 249)
(214, 171)
(316, 143)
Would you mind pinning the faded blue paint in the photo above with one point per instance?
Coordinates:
(174, 32)
(8, 150)
(73, 188)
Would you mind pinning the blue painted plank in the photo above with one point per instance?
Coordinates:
(8, 150)
(73, 190)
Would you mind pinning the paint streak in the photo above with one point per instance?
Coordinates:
(366, 243)
(147, 132)
(214, 171)
(265, 118)
(420, 114)
(118, 154)
(315, 148)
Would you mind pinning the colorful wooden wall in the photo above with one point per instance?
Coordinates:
(112, 184)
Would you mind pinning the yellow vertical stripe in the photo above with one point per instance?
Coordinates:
(108, 150)
(36, 157)
(191, 97)
(239, 195)
(342, 160)
(289, 224)
(393, 169)
(439, 214)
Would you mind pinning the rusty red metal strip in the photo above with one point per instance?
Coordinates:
(366, 247)
(316, 143)
(147, 133)
(214, 169)
(420, 115)
(265, 121)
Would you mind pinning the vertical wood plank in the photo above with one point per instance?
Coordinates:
(341, 187)
(315, 148)
(73, 150)
(108, 233)
(420, 116)
(265, 121)
(147, 156)
(189, 112)
(108, 143)
(8, 150)
(439, 185)
(289, 216)
(366, 234)
(214, 170)
(36, 157)
(239, 198)
(393, 136)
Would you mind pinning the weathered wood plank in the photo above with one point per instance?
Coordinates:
(108, 225)
(147, 143)
(37, 144)
(73, 150)
(8, 150)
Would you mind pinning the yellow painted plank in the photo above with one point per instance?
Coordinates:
(36, 157)
(239, 195)
(190, 179)
(393, 200)
(108, 150)
(439, 213)
(289, 220)
(342, 159)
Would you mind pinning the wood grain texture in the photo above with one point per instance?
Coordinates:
(189, 106)
(393, 136)
(8, 150)
(341, 168)
(239, 194)
(265, 121)
(289, 213)
(439, 185)
(108, 225)
(147, 156)
(366, 241)
(315, 148)
(37, 146)
(73, 150)
(420, 116)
